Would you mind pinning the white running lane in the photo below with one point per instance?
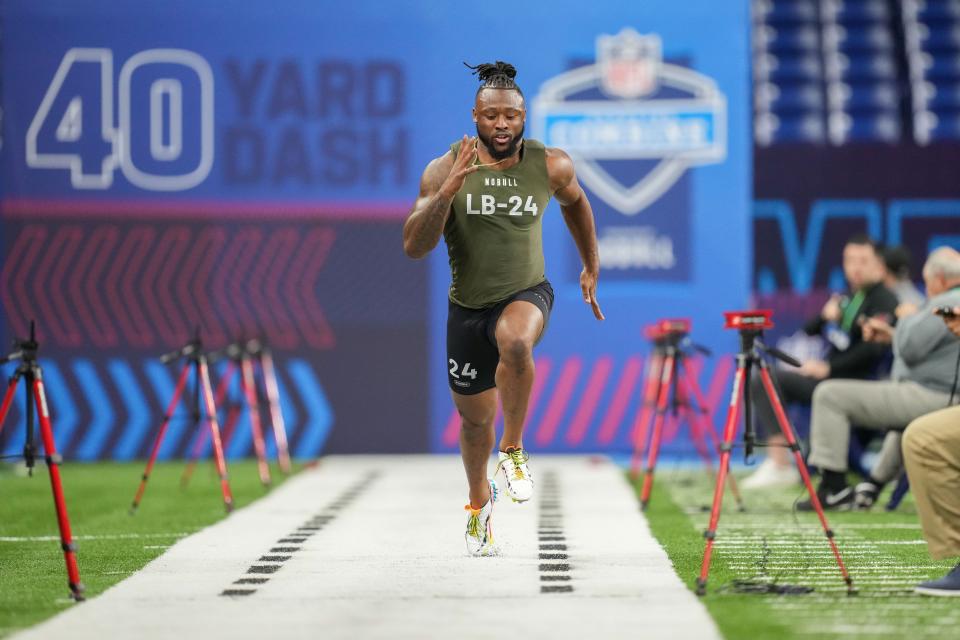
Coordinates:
(387, 560)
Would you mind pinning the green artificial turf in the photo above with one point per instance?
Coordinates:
(770, 543)
(112, 544)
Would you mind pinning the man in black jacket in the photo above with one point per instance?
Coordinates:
(849, 356)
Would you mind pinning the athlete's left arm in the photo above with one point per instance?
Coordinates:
(579, 218)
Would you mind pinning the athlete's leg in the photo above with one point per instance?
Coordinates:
(477, 413)
(517, 331)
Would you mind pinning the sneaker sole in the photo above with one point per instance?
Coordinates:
(490, 551)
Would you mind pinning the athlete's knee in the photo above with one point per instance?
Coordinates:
(515, 348)
(477, 419)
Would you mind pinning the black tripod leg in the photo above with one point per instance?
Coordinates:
(706, 427)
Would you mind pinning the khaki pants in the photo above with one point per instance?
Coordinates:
(931, 451)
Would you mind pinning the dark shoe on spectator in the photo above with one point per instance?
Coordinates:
(865, 495)
(841, 500)
(948, 585)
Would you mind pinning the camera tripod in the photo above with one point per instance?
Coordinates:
(194, 358)
(29, 369)
(751, 324)
(240, 358)
(670, 387)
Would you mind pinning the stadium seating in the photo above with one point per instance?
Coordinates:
(856, 71)
(825, 71)
(932, 47)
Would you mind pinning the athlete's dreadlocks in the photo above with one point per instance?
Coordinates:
(499, 75)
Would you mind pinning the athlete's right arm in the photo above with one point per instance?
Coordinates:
(440, 182)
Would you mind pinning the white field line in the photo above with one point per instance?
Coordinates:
(774, 526)
(115, 536)
(853, 547)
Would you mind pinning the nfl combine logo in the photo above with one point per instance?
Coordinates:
(631, 105)
(629, 64)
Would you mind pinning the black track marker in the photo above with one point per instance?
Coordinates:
(309, 528)
(551, 538)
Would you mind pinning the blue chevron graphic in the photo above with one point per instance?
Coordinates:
(138, 411)
(319, 415)
(164, 383)
(101, 411)
(63, 411)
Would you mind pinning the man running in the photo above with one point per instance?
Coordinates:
(486, 196)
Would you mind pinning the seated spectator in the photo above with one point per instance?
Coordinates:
(924, 361)
(849, 356)
(889, 463)
(896, 260)
(931, 451)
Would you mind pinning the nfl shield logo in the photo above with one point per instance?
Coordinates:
(629, 64)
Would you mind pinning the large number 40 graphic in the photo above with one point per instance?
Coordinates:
(74, 125)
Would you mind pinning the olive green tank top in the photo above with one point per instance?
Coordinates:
(494, 232)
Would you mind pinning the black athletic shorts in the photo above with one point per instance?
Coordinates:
(472, 354)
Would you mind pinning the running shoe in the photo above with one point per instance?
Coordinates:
(842, 500)
(479, 535)
(516, 474)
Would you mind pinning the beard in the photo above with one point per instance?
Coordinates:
(506, 153)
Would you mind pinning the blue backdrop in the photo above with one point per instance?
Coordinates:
(248, 169)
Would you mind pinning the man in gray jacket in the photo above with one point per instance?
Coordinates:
(925, 357)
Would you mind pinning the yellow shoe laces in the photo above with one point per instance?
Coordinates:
(473, 523)
(517, 457)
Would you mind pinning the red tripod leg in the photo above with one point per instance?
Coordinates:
(647, 402)
(200, 440)
(181, 382)
(276, 415)
(662, 396)
(53, 466)
(7, 399)
(729, 431)
(250, 392)
(215, 433)
(802, 467)
(706, 427)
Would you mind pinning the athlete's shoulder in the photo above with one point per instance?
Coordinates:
(557, 154)
(437, 171)
(559, 165)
